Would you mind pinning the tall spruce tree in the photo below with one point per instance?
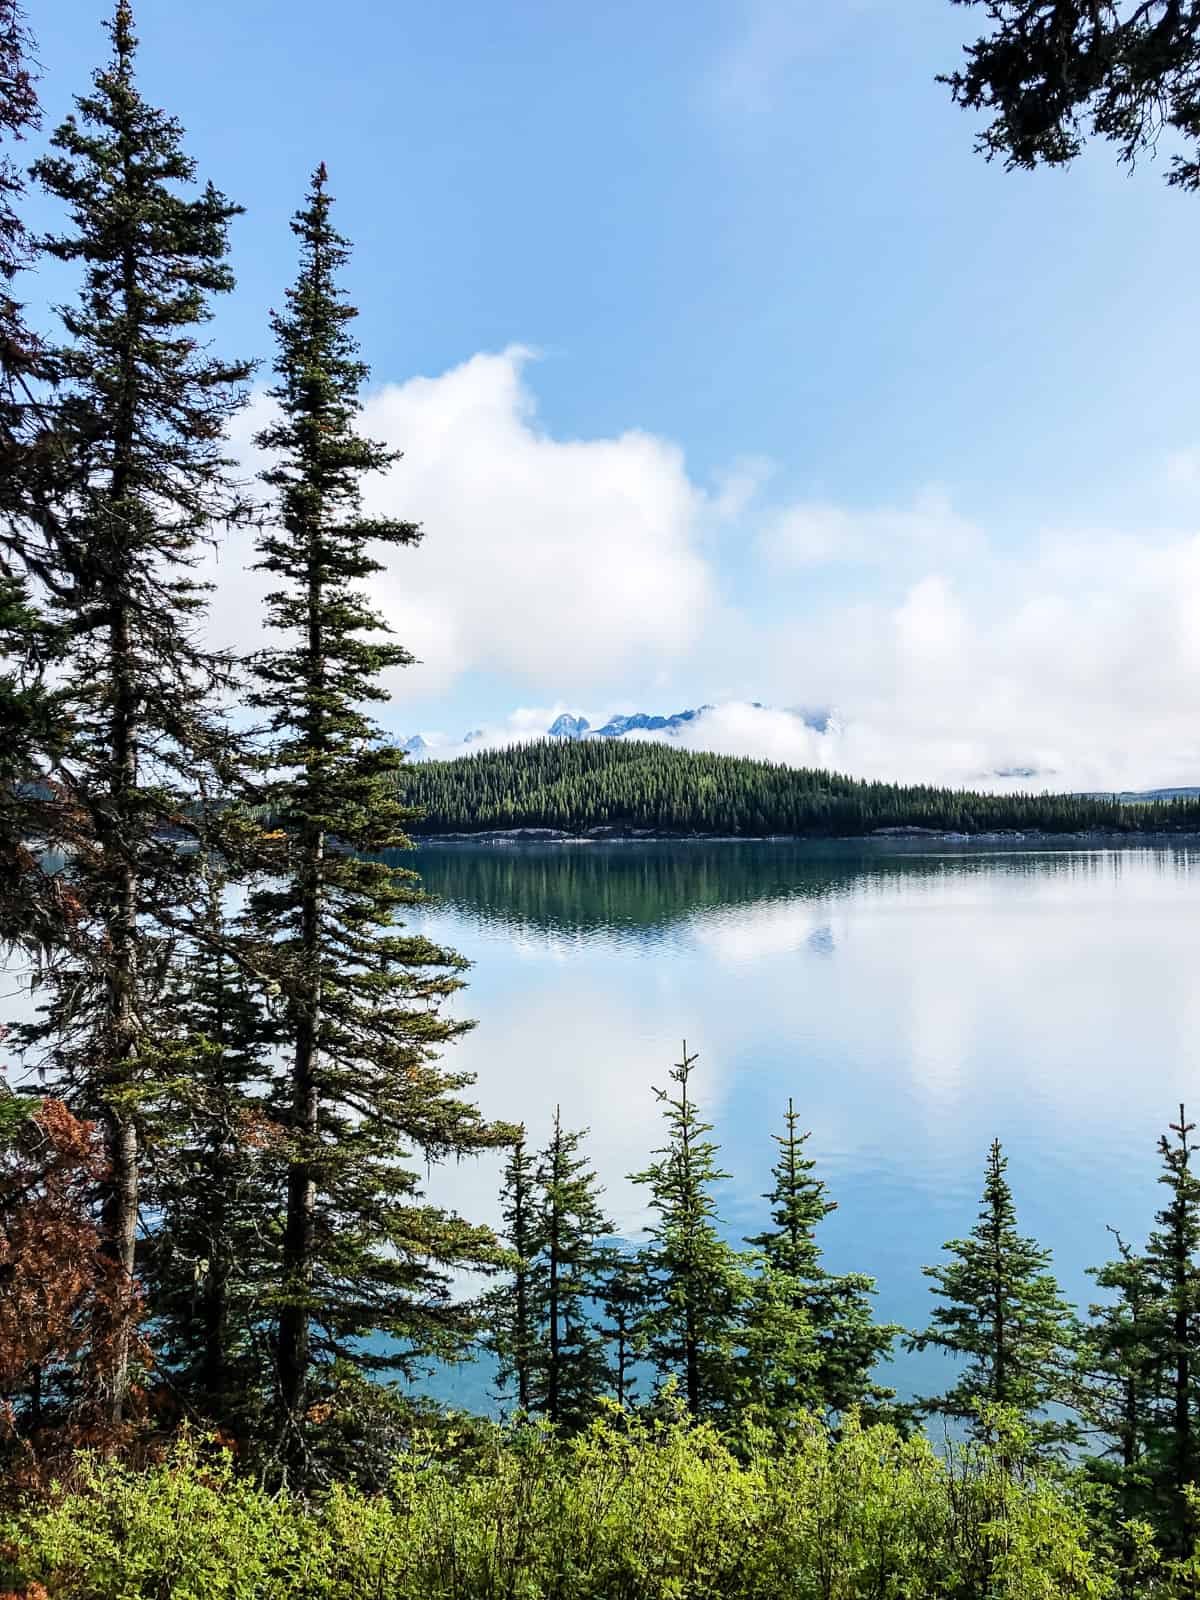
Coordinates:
(694, 1283)
(814, 1340)
(510, 1325)
(141, 413)
(1171, 1265)
(1004, 1314)
(567, 1280)
(36, 909)
(24, 362)
(362, 1255)
(1118, 1372)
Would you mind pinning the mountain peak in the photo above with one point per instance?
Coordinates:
(569, 727)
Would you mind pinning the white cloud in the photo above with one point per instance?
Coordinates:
(545, 559)
(819, 533)
(1079, 657)
(602, 1079)
(587, 568)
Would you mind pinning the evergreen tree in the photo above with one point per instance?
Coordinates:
(214, 1185)
(1004, 1314)
(1171, 1264)
(574, 1371)
(35, 908)
(361, 1026)
(621, 1302)
(694, 1282)
(1053, 71)
(778, 1358)
(23, 360)
(577, 785)
(141, 414)
(815, 1341)
(511, 1332)
(1118, 1372)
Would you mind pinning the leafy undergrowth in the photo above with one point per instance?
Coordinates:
(622, 1512)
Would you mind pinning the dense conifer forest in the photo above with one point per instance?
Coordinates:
(222, 1277)
(579, 785)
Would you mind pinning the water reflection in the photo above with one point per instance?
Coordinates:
(915, 1001)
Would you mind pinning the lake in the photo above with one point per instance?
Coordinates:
(916, 1000)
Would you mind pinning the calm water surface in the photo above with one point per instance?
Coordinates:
(915, 1002)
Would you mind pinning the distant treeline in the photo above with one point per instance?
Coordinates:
(581, 785)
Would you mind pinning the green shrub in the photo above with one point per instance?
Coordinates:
(622, 1512)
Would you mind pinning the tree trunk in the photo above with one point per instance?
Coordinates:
(522, 1341)
(119, 1218)
(622, 1358)
(214, 1365)
(692, 1357)
(1183, 1384)
(119, 1214)
(302, 1187)
(552, 1386)
(119, 1211)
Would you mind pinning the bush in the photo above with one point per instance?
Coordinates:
(622, 1512)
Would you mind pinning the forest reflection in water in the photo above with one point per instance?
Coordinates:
(915, 999)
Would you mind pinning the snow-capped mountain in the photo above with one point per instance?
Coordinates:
(798, 735)
(570, 727)
(697, 721)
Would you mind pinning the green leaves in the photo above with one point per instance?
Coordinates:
(618, 1512)
(811, 1338)
(696, 1286)
(1002, 1312)
(362, 1097)
(138, 421)
(1052, 72)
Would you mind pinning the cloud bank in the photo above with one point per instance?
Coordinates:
(546, 560)
(597, 575)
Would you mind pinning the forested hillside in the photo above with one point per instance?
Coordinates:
(225, 1274)
(581, 785)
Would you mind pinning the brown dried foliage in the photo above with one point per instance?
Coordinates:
(61, 1298)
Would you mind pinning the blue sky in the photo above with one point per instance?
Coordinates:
(875, 389)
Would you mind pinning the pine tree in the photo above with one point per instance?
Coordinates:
(813, 1340)
(1118, 1372)
(695, 1284)
(361, 1255)
(141, 414)
(214, 1184)
(23, 360)
(621, 1302)
(35, 908)
(511, 1332)
(1004, 1313)
(1171, 1262)
(566, 1281)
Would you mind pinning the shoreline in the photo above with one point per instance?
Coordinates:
(897, 835)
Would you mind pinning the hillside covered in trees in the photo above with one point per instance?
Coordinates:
(576, 786)
(222, 1278)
